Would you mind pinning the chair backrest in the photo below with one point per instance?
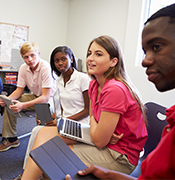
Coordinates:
(156, 122)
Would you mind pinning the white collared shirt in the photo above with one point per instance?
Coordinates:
(71, 95)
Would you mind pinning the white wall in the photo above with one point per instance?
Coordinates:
(120, 19)
(75, 23)
(47, 21)
(92, 18)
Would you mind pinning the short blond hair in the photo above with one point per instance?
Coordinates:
(28, 46)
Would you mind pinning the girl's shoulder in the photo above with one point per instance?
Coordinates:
(81, 75)
(93, 86)
(113, 84)
(113, 87)
(93, 83)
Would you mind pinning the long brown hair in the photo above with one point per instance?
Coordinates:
(118, 71)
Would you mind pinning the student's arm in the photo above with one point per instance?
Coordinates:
(102, 173)
(23, 105)
(101, 132)
(85, 112)
(14, 95)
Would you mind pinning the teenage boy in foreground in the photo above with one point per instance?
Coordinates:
(158, 43)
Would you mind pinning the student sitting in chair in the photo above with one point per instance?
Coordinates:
(36, 74)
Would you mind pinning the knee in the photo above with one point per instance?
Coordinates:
(36, 129)
(41, 130)
(48, 131)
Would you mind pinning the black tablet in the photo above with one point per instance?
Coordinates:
(43, 112)
(56, 159)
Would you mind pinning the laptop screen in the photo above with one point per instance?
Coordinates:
(57, 105)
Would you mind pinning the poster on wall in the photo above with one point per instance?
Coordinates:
(12, 37)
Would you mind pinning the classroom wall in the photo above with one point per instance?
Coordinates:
(76, 22)
(121, 19)
(92, 18)
(47, 21)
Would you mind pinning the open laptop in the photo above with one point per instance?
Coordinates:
(69, 128)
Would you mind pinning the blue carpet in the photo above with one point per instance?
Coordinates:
(11, 161)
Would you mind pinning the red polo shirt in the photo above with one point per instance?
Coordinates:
(115, 97)
(160, 163)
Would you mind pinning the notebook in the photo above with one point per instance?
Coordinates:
(56, 159)
(43, 112)
(69, 128)
(8, 102)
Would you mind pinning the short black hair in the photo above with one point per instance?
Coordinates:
(166, 11)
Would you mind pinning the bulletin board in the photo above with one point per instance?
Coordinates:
(12, 37)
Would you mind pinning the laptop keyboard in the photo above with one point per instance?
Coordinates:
(73, 128)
